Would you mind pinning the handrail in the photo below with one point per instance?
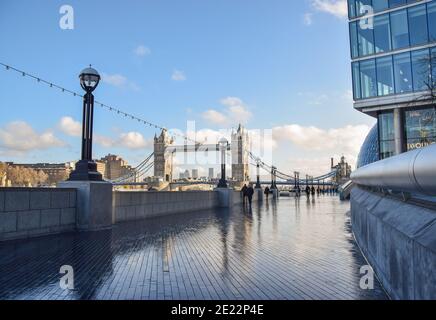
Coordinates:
(413, 171)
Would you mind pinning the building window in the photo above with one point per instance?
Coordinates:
(433, 68)
(431, 17)
(382, 33)
(418, 25)
(380, 5)
(351, 8)
(366, 39)
(399, 29)
(360, 6)
(356, 80)
(354, 40)
(403, 73)
(396, 3)
(368, 79)
(386, 135)
(385, 76)
(421, 67)
(420, 128)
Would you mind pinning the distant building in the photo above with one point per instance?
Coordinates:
(194, 173)
(101, 167)
(55, 172)
(343, 171)
(114, 167)
(187, 174)
(211, 174)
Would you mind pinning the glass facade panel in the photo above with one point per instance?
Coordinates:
(420, 128)
(385, 76)
(418, 25)
(360, 6)
(368, 79)
(386, 134)
(382, 33)
(380, 5)
(403, 73)
(431, 15)
(356, 81)
(433, 67)
(366, 39)
(399, 29)
(351, 8)
(353, 40)
(421, 70)
(396, 3)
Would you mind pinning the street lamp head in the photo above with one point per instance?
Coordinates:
(89, 79)
(223, 142)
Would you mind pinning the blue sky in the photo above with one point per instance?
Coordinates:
(276, 64)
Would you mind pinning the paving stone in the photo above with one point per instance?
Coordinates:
(285, 250)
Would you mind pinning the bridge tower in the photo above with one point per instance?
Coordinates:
(163, 160)
(240, 155)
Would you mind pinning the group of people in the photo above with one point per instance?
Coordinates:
(318, 191)
(247, 193)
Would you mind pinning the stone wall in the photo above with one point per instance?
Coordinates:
(135, 205)
(27, 212)
(399, 241)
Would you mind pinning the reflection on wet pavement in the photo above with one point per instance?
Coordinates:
(290, 249)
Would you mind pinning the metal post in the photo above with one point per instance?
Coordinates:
(258, 186)
(223, 182)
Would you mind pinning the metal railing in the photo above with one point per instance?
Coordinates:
(413, 172)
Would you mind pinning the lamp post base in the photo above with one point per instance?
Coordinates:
(222, 184)
(85, 171)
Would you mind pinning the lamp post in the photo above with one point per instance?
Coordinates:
(223, 144)
(86, 168)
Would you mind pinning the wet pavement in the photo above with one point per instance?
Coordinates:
(290, 249)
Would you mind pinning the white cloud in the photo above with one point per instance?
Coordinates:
(119, 81)
(233, 113)
(116, 80)
(308, 19)
(18, 137)
(129, 140)
(318, 143)
(338, 8)
(70, 127)
(215, 117)
(142, 51)
(178, 75)
(133, 140)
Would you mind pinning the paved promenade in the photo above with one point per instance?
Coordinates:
(279, 250)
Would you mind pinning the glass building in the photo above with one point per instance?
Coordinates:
(393, 52)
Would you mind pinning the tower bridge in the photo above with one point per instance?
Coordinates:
(162, 160)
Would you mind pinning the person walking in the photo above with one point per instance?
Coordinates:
(266, 192)
(244, 193)
(250, 193)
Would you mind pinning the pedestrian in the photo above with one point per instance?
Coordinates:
(250, 193)
(266, 192)
(307, 191)
(244, 193)
(313, 190)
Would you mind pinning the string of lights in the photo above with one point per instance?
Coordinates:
(98, 103)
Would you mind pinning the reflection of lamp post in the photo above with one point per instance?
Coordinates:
(223, 144)
(86, 168)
